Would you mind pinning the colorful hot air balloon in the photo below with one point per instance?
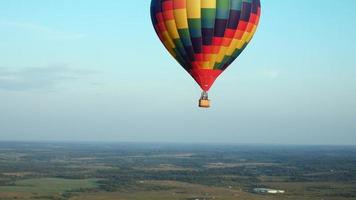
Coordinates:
(205, 36)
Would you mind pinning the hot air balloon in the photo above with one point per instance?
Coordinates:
(205, 36)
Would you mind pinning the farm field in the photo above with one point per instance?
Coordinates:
(125, 171)
(45, 187)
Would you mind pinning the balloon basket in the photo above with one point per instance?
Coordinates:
(204, 103)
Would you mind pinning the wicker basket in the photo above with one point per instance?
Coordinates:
(204, 103)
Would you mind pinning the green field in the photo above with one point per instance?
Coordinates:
(171, 190)
(44, 188)
(59, 171)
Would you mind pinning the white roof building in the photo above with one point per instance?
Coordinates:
(268, 191)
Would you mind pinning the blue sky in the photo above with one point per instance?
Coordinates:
(95, 71)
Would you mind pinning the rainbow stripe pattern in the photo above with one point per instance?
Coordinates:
(205, 36)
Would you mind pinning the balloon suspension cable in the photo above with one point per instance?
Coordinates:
(204, 95)
(204, 101)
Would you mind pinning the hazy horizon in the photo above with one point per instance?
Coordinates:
(170, 143)
(96, 71)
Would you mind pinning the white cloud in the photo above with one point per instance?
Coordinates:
(38, 77)
(41, 30)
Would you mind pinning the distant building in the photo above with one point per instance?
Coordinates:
(268, 191)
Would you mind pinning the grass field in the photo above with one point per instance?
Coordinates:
(172, 190)
(53, 188)
(44, 188)
(174, 172)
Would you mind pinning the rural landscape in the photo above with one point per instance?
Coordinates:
(144, 171)
(178, 100)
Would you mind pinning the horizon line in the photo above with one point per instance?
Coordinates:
(170, 143)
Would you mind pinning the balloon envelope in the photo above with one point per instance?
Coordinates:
(205, 36)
